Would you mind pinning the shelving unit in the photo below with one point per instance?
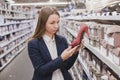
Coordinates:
(76, 70)
(98, 53)
(94, 17)
(15, 29)
(84, 68)
(105, 59)
(90, 19)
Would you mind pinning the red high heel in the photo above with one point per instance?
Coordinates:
(77, 41)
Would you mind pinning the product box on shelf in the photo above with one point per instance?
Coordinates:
(94, 60)
(1, 19)
(110, 76)
(104, 68)
(116, 51)
(1, 51)
(104, 77)
(95, 41)
(100, 31)
(110, 41)
(116, 56)
(98, 75)
(79, 67)
(93, 30)
(104, 47)
(116, 37)
(89, 65)
(77, 26)
(114, 33)
(98, 65)
(92, 42)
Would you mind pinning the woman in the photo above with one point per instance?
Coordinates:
(50, 55)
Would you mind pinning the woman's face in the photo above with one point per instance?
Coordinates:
(52, 25)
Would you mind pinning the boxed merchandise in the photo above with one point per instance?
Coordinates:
(104, 47)
(110, 41)
(116, 37)
(93, 31)
(116, 51)
(1, 19)
(112, 78)
(116, 56)
(114, 33)
(113, 29)
(98, 75)
(104, 77)
(110, 55)
(1, 51)
(98, 65)
(100, 31)
(92, 41)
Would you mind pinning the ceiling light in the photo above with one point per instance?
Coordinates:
(43, 3)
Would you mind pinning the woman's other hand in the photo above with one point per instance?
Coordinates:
(68, 52)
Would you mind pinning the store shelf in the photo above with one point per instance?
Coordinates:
(6, 33)
(10, 23)
(15, 29)
(1, 68)
(89, 17)
(1, 56)
(84, 68)
(5, 43)
(76, 70)
(104, 59)
(17, 18)
(72, 74)
(15, 11)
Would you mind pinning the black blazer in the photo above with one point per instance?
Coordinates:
(43, 65)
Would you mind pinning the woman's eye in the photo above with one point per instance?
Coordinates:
(52, 23)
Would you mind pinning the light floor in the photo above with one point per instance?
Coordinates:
(19, 69)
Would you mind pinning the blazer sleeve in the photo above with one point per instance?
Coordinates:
(39, 64)
(70, 61)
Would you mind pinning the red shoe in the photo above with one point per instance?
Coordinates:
(83, 29)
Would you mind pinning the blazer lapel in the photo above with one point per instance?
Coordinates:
(58, 45)
(44, 50)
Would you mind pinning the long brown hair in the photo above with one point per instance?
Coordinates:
(44, 13)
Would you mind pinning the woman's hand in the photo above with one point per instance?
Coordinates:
(68, 52)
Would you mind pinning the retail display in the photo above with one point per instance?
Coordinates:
(100, 59)
(15, 28)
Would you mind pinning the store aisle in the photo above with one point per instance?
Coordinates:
(19, 69)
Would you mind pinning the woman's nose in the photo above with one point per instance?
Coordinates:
(56, 25)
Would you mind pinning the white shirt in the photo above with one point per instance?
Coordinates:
(51, 45)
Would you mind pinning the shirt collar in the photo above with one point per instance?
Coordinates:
(47, 38)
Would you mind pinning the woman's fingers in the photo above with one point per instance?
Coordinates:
(69, 48)
(82, 41)
(67, 53)
(73, 50)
